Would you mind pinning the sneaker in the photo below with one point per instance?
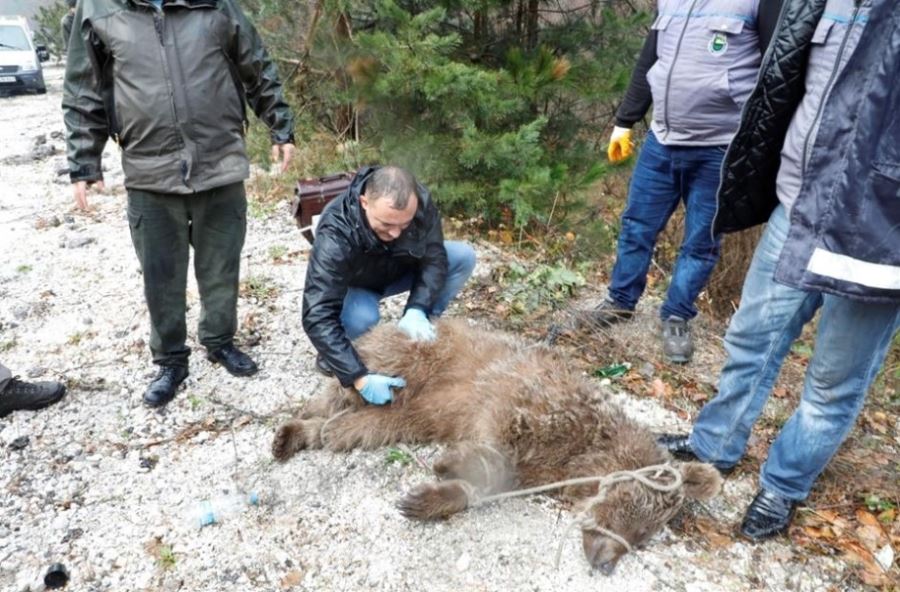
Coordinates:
(608, 312)
(29, 395)
(678, 344)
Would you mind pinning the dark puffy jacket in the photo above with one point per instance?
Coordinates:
(844, 237)
(170, 87)
(348, 254)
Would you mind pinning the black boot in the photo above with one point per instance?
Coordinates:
(29, 395)
(235, 361)
(322, 366)
(769, 514)
(162, 389)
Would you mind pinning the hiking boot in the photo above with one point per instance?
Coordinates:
(608, 312)
(769, 514)
(234, 360)
(322, 366)
(31, 396)
(678, 344)
(162, 388)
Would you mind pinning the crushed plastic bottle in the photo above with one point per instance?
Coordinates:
(217, 509)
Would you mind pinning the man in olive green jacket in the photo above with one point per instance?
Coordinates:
(168, 81)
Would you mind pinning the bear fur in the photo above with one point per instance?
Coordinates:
(514, 415)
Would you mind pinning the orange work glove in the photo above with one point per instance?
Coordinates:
(620, 145)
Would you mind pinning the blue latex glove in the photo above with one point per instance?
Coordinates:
(377, 388)
(417, 326)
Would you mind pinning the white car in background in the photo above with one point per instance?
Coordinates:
(20, 58)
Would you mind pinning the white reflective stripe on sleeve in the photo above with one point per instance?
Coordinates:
(842, 267)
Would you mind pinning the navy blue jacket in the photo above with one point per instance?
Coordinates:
(844, 237)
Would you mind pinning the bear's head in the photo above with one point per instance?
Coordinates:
(635, 512)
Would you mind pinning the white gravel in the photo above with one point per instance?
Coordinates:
(104, 484)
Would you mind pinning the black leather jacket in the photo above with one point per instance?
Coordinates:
(348, 254)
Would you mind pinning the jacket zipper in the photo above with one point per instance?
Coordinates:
(687, 21)
(159, 25)
(827, 91)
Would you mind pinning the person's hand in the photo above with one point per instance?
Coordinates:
(376, 388)
(620, 145)
(417, 326)
(283, 153)
(80, 191)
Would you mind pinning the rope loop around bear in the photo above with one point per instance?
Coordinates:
(649, 476)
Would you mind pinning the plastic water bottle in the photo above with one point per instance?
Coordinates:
(217, 509)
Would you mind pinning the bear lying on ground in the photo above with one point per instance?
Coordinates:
(514, 415)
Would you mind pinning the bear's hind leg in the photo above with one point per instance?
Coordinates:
(472, 471)
(487, 467)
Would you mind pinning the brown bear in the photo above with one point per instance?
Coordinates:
(514, 415)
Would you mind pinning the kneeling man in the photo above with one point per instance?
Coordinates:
(380, 238)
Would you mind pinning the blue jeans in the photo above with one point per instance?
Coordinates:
(851, 343)
(360, 312)
(663, 177)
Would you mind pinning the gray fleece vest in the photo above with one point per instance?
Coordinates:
(708, 57)
(836, 37)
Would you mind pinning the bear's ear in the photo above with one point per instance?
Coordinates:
(701, 481)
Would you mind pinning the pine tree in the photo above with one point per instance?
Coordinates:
(499, 106)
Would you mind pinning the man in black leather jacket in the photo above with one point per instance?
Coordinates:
(381, 237)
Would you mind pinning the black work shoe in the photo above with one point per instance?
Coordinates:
(679, 446)
(322, 366)
(769, 514)
(235, 361)
(678, 344)
(608, 312)
(162, 389)
(30, 396)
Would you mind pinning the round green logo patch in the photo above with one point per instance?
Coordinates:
(718, 44)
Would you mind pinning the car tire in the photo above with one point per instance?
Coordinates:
(41, 90)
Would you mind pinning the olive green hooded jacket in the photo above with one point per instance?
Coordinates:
(169, 86)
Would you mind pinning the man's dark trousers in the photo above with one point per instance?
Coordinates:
(163, 226)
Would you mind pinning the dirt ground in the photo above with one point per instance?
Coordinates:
(104, 485)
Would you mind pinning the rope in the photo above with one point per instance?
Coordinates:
(650, 476)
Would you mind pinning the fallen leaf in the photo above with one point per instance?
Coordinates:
(711, 532)
(887, 516)
(291, 579)
(871, 536)
(660, 389)
(819, 532)
(780, 392)
(866, 518)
